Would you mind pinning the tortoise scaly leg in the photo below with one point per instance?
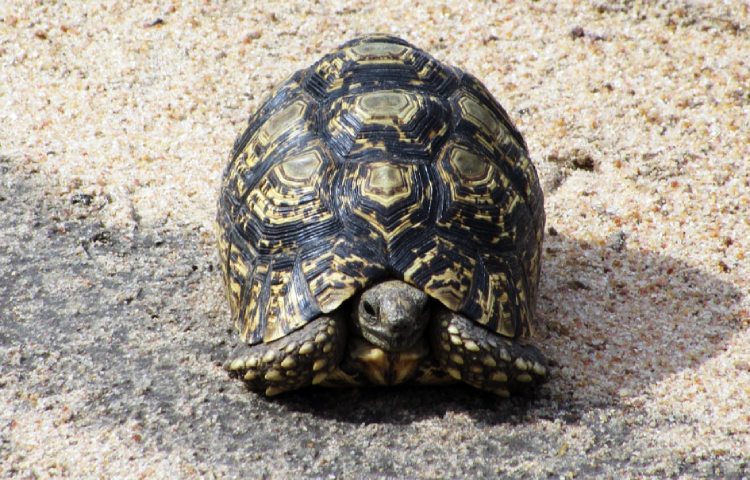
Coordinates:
(486, 360)
(304, 357)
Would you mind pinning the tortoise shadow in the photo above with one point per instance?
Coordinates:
(403, 405)
(616, 322)
(619, 321)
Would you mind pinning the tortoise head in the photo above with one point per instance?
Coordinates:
(391, 315)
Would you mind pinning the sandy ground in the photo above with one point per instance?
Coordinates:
(116, 121)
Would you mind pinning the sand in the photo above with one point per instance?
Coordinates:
(117, 121)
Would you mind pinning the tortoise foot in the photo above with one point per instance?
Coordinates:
(483, 359)
(304, 357)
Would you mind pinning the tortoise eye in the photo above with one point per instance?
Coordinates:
(369, 309)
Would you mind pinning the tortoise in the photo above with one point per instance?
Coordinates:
(380, 222)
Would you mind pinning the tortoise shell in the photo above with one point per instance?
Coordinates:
(376, 162)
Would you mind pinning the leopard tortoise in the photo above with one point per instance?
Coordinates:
(380, 222)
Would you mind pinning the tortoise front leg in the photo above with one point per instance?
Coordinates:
(304, 357)
(486, 360)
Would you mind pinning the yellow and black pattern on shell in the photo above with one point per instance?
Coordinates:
(379, 162)
(387, 123)
(378, 62)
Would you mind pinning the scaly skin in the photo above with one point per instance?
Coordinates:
(304, 357)
(391, 315)
(483, 359)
